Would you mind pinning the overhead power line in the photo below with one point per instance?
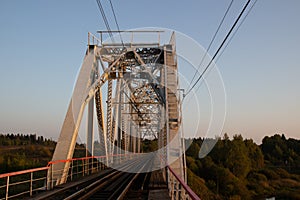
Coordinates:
(116, 21)
(211, 42)
(236, 30)
(105, 19)
(234, 33)
(220, 47)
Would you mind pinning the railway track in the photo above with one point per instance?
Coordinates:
(139, 189)
(118, 185)
(109, 184)
(114, 188)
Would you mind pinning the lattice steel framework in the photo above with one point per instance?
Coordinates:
(142, 102)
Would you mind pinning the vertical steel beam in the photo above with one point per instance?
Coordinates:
(69, 131)
(133, 140)
(115, 122)
(109, 116)
(101, 127)
(90, 129)
(138, 142)
(125, 118)
(121, 127)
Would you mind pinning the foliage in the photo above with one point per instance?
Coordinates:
(283, 153)
(198, 185)
(21, 139)
(234, 169)
(19, 152)
(241, 169)
(149, 145)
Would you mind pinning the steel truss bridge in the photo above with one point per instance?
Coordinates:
(132, 91)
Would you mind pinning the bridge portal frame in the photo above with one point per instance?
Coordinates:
(106, 63)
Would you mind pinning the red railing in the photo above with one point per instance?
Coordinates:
(23, 172)
(81, 166)
(18, 184)
(86, 158)
(27, 182)
(179, 189)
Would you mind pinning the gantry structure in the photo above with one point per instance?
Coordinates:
(132, 88)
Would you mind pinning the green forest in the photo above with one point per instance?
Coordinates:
(241, 169)
(235, 168)
(20, 151)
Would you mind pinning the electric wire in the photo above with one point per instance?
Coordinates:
(211, 42)
(220, 47)
(116, 21)
(105, 20)
(234, 33)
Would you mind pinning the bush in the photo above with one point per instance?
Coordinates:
(270, 174)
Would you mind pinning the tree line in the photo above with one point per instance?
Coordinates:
(241, 169)
(26, 151)
(235, 168)
(23, 139)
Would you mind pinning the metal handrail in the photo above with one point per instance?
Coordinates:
(79, 167)
(188, 190)
(31, 182)
(84, 158)
(23, 172)
(93, 40)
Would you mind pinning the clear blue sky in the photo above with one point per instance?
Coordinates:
(42, 44)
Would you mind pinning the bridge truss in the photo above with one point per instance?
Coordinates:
(140, 83)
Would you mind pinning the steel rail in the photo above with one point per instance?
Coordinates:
(69, 186)
(83, 190)
(85, 186)
(119, 191)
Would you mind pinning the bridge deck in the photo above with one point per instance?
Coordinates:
(158, 188)
(148, 186)
(158, 194)
(69, 187)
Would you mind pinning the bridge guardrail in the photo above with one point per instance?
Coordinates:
(94, 40)
(79, 167)
(21, 183)
(28, 182)
(178, 188)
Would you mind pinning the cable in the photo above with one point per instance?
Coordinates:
(104, 17)
(220, 47)
(105, 20)
(212, 40)
(117, 24)
(234, 33)
(236, 30)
